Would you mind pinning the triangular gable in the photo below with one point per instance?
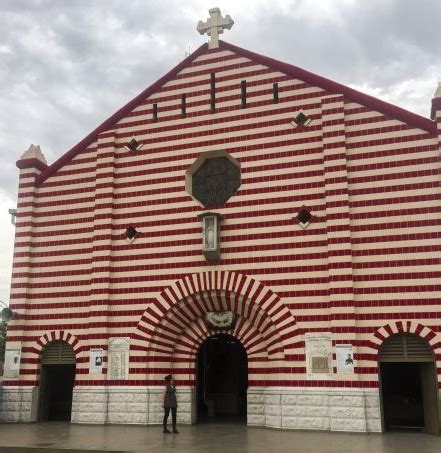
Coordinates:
(387, 109)
(330, 86)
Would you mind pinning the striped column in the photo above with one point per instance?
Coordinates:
(99, 310)
(31, 164)
(341, 286)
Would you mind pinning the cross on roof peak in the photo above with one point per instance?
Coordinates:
(214, 26)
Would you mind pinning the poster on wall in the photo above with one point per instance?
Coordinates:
(96, 360)
(118, 367)
(12, 363)
(345, 358)
(318, 348)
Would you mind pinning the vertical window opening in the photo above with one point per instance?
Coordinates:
(276, 92)
(213, 92)
(184, 104)
(155, 112)
(243, 90)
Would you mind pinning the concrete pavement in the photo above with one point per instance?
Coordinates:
(55, 437)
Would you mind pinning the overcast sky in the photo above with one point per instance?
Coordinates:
(66, 65)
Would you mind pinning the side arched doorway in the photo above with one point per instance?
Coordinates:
(57, 377)
(222, 380)
(409, 390)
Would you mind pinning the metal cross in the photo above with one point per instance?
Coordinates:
(214, 26)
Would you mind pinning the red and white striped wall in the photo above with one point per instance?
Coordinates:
(369, 172)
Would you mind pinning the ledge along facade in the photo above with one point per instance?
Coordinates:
(299, 296)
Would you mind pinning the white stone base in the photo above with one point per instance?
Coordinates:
(18, 404)
(353, 410)
(127, 405)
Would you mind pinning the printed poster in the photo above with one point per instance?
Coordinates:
(345, 358)
(96, 360)
(12, 363)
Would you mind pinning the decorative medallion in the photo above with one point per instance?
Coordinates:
(220, 320)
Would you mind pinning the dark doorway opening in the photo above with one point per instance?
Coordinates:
(409, 387)
(57, 382)
(402, 396)
(222, 380)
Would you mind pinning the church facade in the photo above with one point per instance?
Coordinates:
(268, 236)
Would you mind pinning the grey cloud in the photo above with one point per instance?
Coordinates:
(67, 65)
(379, 41)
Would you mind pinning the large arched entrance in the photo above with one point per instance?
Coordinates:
(57, 376)
(409, 390)
(222, 377)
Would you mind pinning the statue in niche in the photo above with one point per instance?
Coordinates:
(210, 241)
(210, 235)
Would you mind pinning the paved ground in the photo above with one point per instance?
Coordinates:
(57, 437)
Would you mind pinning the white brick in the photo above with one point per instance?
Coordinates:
(255, 420)
(274, 421)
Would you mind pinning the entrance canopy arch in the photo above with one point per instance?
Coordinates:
(177, 320)
(184, 327)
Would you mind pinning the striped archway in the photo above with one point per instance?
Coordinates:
(57, 335)
(183, 328)
(395, 327)
(172, 329)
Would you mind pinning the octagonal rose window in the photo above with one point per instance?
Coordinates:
(213, 178)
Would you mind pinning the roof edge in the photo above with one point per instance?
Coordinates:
(119, 114)
(391, 110)
(32, 162)
(388, 109)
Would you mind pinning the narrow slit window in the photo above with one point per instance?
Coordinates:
(155, 112)
(243, 93)
(275, 93)
(184, 104)
(213, 92)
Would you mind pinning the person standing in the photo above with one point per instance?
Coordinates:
(169, 403)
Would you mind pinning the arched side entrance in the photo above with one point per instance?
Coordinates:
(409, 391)
(221, 380)
(57, 377)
